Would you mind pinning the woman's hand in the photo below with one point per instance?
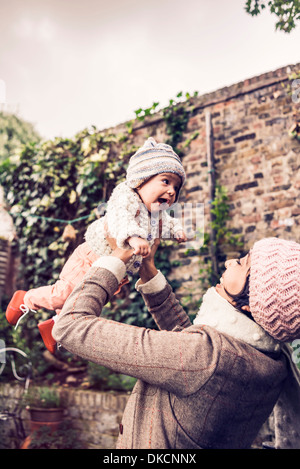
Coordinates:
(148, 269)
(123, 254)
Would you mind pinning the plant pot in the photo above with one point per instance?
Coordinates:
(40, 417)
(54, 414)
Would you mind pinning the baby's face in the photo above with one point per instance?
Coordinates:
(160, 191)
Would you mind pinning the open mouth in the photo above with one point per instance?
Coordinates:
(163, 200)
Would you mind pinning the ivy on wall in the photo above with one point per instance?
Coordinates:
(224, 237)
(54, 188)
(56, 185)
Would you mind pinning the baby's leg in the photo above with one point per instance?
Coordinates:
(54, 296)
(50, 297)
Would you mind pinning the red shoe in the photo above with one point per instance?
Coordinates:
(13, 311)
(124, 281)
(45, 329)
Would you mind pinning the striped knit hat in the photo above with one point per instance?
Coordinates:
(152, 159)
(275, 287)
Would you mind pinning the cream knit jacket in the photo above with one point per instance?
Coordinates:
(127, 216)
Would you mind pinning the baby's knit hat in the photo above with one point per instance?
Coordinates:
(275, 287)
(152, 159)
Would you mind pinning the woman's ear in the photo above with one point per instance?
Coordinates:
(246, 308)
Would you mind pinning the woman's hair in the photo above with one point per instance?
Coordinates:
(242, 298)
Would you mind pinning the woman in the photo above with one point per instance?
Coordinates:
(207, 385)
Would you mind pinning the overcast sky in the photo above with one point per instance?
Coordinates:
(69, 64)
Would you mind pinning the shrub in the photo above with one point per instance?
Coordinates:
(54, 184)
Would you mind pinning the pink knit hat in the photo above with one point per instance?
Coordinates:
(275, 287)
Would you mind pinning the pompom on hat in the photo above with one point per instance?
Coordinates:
(275, 287)
(151, 159)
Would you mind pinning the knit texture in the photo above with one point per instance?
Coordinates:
(123, 222)
(152, 159)
(275, 287)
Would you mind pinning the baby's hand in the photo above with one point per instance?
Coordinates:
(141, 246)
(180, 236)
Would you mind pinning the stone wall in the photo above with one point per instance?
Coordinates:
(94, 415)
(255, 159)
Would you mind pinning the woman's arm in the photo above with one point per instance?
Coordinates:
(148, 270)
(163, 358)
(159, 297)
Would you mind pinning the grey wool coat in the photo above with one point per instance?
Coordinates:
(196, 388)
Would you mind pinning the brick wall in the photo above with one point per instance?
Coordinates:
(259, 164)
(255, 159)
(95, 416)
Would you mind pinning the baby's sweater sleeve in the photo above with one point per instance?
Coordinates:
(124, 215)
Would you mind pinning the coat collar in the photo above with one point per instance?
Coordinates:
(218, 313)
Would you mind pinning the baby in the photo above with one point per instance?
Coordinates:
(154, 178)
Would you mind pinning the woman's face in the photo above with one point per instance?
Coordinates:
(234, 277)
